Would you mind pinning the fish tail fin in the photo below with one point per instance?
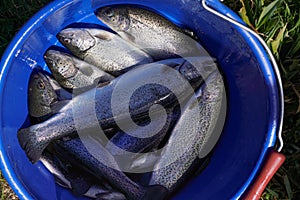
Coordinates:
(157, 192)
(31, 144)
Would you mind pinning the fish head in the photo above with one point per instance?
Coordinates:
(61, 64)
(116, 18)
(76, 40)
(41, 94)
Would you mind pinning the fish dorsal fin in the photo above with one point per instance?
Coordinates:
(127, 36)
(63, 94)
(86, 70)
(84, 67)
(58, 105)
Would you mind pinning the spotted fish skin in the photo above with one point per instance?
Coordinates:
(150, 31)
(189, 136)
(103, 49)
(73, 73)
(77, 111)
(126, 141)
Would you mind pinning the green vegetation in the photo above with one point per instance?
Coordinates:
(13, 15)
(277, 21)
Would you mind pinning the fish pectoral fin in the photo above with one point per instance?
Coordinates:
(63, 95)
(86, 70)
(58, 105)
(146, 161)
(127, 36)
(103, 36)
(157, 192)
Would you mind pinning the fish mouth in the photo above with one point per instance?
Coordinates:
(48, 57)
(105, 14)
(62, 38)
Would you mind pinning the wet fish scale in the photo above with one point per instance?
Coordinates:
(150, 32)
(171, 173)
(109, 52)
(129, 142)
(73, 73)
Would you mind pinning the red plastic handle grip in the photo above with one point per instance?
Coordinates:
(272, 164)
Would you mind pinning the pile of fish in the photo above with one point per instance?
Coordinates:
(124, 115)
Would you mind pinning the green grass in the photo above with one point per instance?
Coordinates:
(277, 22)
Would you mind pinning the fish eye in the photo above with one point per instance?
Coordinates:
(41, 85)
(51, 62)
(114, 19)
(67, 41)
(125, 24)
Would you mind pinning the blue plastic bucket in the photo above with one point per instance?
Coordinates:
(254, 101)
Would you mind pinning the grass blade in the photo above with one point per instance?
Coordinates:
(273, 193)
(276, 43)
(267, 12)
(288, 186)
(243, 14)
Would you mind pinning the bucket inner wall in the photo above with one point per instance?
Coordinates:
(251, 120)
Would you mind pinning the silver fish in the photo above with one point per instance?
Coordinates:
(193, 130)
(128, 142)
(41, 95)
(94, 107)
(73, 73)
(103, 49)
(125, 146)
(66, 175)
(54, 168)
(150, 32)
(76, 152)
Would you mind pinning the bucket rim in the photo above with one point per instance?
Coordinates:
(52, 7)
